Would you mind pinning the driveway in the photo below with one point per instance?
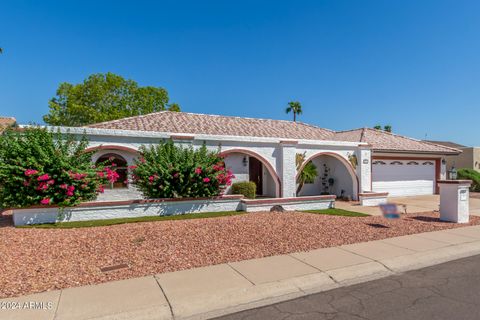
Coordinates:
(414, 204)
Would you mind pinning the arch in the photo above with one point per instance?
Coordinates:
(265, 162)
(112, 147)
(347, 164)
(121, 166)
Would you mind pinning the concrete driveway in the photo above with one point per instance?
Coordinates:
(414, 204)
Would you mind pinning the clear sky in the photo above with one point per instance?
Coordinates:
(412, 64)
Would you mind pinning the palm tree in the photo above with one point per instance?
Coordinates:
(1, 50)
(295, 107)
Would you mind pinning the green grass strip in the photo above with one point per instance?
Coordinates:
(338, 212)
(109, 222)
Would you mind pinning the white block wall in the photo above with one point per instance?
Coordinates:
(101, 212)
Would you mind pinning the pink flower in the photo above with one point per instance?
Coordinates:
(45, 201)
(50, 182)
(176, 175)
(151, 178)
(132, 167)
(101, 189)
(43, 177)
(198, 170)
(70, 190)
(63, 186)
(206, 180)
(30, 172)
(101, 174)
(26, 183)
(42, 186)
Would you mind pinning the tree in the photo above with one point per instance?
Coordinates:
(386, 128)
(1, 50)
(295, 107)
(175, 107)
(104, 97)
(308, 174)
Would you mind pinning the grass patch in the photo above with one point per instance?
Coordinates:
(109, 222)
(338, 212)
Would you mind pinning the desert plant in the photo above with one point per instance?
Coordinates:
(38, 166)
(169, 171)
(470, 174)
(308, 173)
(247, 188)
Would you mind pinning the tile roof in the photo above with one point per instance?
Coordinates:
(194, 123)
(448, 144)
(6, 122)
(386, 141)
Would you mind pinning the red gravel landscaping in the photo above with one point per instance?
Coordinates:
(36, 260)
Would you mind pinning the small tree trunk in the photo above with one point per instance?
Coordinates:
(294, 116)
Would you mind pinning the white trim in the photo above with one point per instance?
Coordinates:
(167, 135)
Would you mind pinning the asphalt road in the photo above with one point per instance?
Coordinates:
(447, 291)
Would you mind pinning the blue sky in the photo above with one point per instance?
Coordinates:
(412, 64)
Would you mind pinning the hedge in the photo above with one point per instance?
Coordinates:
(470, 174)
(247, 188)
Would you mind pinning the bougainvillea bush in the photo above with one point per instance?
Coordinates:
(169, 171)
(41, 167)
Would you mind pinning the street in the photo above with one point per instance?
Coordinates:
(447, 291)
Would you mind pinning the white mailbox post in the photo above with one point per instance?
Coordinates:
(454, 195)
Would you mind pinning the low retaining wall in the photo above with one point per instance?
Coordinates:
(372, 199)
(125, 209)
(289, 204)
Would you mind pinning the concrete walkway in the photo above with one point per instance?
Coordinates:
(206, 292)
(414, 204)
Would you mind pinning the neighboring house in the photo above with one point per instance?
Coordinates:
(264, 151)
(469, 158)
(6, 122)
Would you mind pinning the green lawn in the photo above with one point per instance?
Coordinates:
(109, 222)
(338, 212)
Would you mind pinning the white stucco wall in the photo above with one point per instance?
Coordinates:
(52, 215)
(278, 153)
(338, 171)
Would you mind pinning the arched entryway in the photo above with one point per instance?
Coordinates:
(335, 175)
(117, 162)
(248, 165)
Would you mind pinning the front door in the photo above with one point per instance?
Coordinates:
(256, 174)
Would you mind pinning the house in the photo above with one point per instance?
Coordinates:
(264, 151)
(469, 158)
(6, 122)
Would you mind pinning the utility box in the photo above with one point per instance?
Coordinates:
(454, 200)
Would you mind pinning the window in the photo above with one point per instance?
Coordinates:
(120, 164)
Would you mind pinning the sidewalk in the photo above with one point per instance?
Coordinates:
(216, 290)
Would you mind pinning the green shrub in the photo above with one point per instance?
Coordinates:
(169, 171)
(38, 166)
(247, 188)
(470, 174)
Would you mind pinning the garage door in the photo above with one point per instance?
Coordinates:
(403, 177)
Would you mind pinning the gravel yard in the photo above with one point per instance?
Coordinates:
(36, 260)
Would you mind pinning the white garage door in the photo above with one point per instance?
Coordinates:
(403, 177)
